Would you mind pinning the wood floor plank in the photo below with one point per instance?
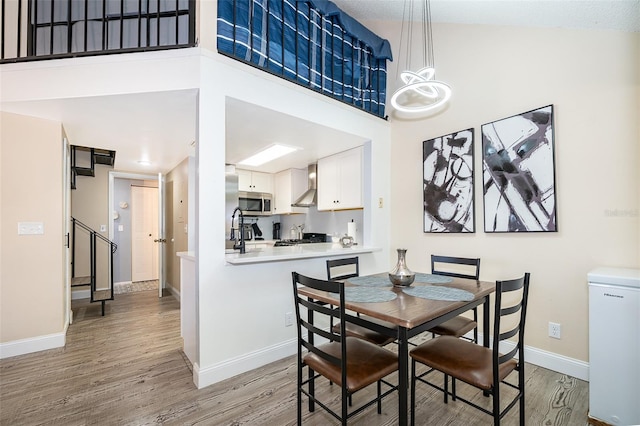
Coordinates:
(127, 368)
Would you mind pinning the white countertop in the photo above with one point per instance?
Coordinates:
(187, 255)
(300, 251)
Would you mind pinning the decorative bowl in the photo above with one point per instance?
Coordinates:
(401, 280)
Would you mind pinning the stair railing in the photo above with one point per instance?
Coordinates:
(96, 295)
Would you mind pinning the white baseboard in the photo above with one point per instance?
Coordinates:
(33, 344)
(80, 294)
(203, 377)
(549, 360)
(558, 363)
(174, 291)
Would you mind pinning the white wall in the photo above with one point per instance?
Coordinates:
(592, 78)
(241, 308)
(32, 296)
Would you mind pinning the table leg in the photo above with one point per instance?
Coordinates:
(403, 376)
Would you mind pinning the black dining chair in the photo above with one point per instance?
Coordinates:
(341, 270)
(351, 363)
(457, 267)
(476, 365)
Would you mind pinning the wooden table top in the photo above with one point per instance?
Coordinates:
(408, 311)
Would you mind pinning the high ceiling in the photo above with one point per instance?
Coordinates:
(623, 15)
(160, 127)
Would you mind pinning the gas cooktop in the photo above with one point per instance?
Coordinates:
(307, 238)
(283, 243)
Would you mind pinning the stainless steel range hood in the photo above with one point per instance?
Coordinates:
(310, 196)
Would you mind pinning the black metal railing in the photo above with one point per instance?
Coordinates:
(71, 28)
(97, 295)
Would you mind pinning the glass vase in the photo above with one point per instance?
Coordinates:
(401, 275)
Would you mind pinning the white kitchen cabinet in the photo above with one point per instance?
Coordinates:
(251, 181)
(340, 181)
(289, 186)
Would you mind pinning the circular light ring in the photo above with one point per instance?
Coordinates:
(426, 89)
(427, 73)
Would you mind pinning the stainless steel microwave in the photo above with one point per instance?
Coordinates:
(255, 203)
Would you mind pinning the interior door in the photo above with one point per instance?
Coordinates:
(144, 230)
(66, 193)
(161, 232)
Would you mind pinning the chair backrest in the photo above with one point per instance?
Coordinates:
(446, 265)
(514, 311)
(318, 315)
(342, 269)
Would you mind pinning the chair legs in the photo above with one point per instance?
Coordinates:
(413, 392)
(312, 389)
(496, 405)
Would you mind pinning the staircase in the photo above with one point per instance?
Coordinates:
(84, 160)
(100, 249)
(96, 241)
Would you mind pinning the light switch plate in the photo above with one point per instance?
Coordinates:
(120, 228)
(30, 228)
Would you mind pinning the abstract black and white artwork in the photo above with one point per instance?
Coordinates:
(519, 174)
(448, 183)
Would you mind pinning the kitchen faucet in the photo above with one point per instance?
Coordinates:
(237, 245)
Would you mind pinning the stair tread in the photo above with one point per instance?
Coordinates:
(84, 171)
(100, 295)
(80, 281)
(104, 157)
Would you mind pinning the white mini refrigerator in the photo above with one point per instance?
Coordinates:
(614, 345)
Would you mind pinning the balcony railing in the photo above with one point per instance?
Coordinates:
(311, 43)
(48, 29)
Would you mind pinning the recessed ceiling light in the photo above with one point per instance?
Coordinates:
(144, 162)
(269, 154)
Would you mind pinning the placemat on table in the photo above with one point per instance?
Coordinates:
(439, 293)
(368, 295)
(371, 281)
(432, 279)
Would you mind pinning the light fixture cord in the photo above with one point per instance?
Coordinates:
(428, 59)
(431, 58)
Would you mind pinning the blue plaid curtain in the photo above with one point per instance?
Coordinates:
(307, 43)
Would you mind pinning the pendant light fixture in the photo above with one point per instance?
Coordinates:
(420, 91)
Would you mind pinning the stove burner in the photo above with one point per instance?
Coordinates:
(284, 243)
(308, 238)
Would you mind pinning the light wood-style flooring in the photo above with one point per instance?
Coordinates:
(127, 368)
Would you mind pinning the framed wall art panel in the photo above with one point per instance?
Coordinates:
(519, 173)
(448, 200)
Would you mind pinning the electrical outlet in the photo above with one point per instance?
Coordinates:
(555, 330)
(288, 319)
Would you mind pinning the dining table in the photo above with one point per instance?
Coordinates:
(430, 300)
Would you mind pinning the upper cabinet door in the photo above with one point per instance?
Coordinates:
(351, 179)
(244, 180)
(254, 181)
(289, 185)
(340, 181)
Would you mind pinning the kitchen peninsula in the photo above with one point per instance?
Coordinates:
(301, 251)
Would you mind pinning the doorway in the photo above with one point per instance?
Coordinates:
(137, 228)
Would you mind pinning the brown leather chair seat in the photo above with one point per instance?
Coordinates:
(457, 327)
(369, 335)
(467, 362)
(366, 363)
